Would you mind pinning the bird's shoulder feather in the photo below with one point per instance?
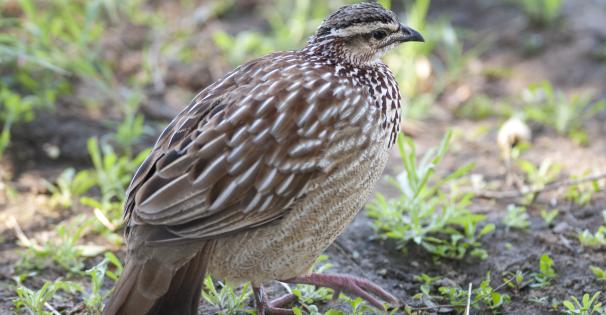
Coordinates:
(244, 150)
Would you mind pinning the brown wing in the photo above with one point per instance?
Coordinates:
(245, 149)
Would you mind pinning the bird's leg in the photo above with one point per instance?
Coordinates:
(344, 283)
(265, 307)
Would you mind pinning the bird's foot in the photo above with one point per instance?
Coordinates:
(274, 307)
(344, 283)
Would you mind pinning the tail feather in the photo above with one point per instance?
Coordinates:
(154, 287)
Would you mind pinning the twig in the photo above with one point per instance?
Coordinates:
(552, 186)
(52, 309)
(104, 220)
(468, 300)
(12, 223)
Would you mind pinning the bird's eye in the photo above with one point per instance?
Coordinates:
(379, 35)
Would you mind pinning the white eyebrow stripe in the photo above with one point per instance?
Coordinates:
(363, 28)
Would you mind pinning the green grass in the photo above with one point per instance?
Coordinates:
(566, 114)
(516, 218)
(484, 298)
(587, 305)
(542, 13)
(36, 302)
(598, 272)
(546, 272)
(426, 215)
(226, 300)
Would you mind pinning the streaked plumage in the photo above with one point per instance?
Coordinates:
(264, 169)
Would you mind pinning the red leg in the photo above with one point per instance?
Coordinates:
(265, 307)
(339, 283)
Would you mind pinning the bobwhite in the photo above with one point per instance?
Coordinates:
(256, 177)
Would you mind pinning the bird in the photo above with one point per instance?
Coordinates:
(259, 174)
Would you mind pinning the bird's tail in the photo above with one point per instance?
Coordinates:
(155, 286)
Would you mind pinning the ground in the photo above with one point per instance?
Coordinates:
(567, 57)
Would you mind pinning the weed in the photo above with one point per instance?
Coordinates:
(599, 273)
(226, 300)
(113, 173)
(13, 108)
(549, 107)
(428, 282)
(131, 128)
(516, 281)
(588, 305)
(541, 12)
(597, 239)
(485, 297)
(61, 249)
(537, 177)
(546, 272)
(549, 216)
(581, 194)
(516, 217)
(480, 107)
(424, 214)
(357, 307)
(70, 185)
(37, 302)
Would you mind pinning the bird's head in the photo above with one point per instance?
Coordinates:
(362, 33)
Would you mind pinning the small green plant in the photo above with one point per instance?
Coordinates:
(226, 299)
(93, 299)
(425, 288)
(13, 108)
(484, 297)
(439, 222)
(70, 185)
(516, 217)
(566, 114)
(37, 302)
(537, 176)
(541, 12)
(549, 216)
(515, 280)
(112, 173)
(131, 128)
(599, 273)
(597, 239)
(480, 107)
(588, 305)
(581, 194)
(357, 307)
(546, 272)
(62, 249)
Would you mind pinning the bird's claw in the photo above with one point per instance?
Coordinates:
(344, 283)
(274, 307)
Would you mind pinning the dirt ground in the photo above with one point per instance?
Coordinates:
(567, 59)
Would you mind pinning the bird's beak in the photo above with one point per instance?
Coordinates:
(409, 35)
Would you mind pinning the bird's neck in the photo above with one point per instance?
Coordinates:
(334, 50)
(375, 77)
